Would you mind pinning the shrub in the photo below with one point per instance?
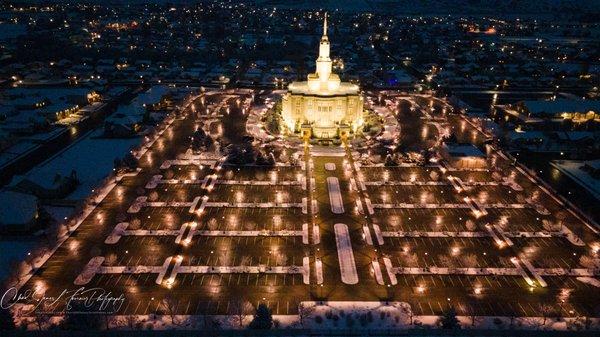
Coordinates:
(449, 320)
(6, 320)
(262, 319)
(318, 319)
(363, 320)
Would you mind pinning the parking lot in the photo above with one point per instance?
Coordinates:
(276, 226)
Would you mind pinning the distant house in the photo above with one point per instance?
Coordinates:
(58, 187)
(18, 211)
(129, 119)
(532, 111)
(593, 168)
(34, 108)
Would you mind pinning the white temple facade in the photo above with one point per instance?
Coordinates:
(323, 106)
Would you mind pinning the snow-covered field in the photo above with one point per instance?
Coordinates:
(572, 168)
(344, 316)
(13, 250)
(92, 158)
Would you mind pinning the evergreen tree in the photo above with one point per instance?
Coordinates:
(80, 317)
(6, 320)
(449, 320)
(262, 319)
(389, 161)
(130, 161)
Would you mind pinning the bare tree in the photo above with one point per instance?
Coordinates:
(470, 260)
(21, 269)
(446, 261)
(169, 305)
(408, 311)
(107, 318)
(41, 316)
(135, 224)
(53, 233)
(212, 224)
(551, 226)
(281, 259)
(470, 224)
(561, 215)
(250, 225)
(110, 259)
(411, 260)
(240, 308)
(121, 217)
(152, 259)
(153, 196)
(436, 226)
(545, 310)
(35, 255)
(131, 321)
(472, 312)
(304, 311)
(245, 260)
(591, 262)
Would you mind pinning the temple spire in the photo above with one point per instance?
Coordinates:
(325, 25)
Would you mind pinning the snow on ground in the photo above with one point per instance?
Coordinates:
(356, 315)
(91, 157)
(59, 213)
(343, 316)
(572, 168)
(134, 111)
(11, 31)
(345, 254)
(590, 280)
(335, 195)
(13, 250)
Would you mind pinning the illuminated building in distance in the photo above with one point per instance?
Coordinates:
(323, 106)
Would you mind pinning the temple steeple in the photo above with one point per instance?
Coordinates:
(324, 62)
(323, 105)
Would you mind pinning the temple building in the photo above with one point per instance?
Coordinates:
(323, 106)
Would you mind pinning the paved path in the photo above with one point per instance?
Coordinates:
(345, 254)
(335, 195)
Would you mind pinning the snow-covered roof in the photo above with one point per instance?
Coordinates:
(528, 135)
(561, 105)
(133, 112)
(463, 150)
(90, 157)
(574, 135)
(595, 164)
(57, 99)
(11, 31)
